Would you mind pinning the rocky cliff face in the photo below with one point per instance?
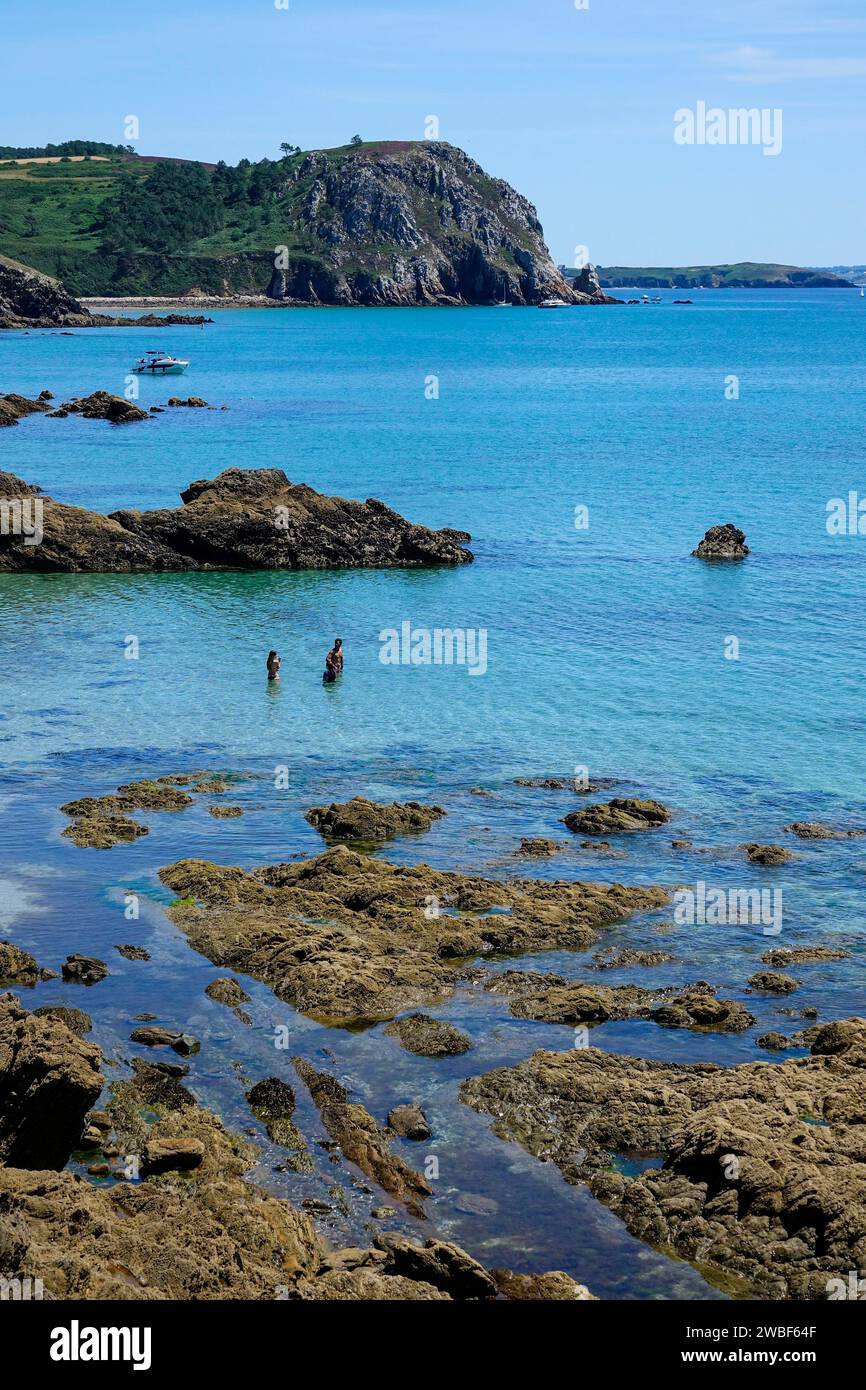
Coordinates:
(413, 223)
(29, 299)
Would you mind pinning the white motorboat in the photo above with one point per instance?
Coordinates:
(161, 364)
(554, 304)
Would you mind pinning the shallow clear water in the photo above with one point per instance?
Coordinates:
(605, 650)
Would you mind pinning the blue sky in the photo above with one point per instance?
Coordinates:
(575, 107)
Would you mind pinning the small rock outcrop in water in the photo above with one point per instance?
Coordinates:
(767, 855)
(814, 830)
(102, 405)
(429, 1037)
(366, 938)
(761, 1175)
(726, 542)
(84, 970)
(553, 999)
(409, 1121)
(49, 1079)
(243, 519)
(622, 815)
(362, 820)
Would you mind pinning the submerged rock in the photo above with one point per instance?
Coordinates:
(617, 817)
(553, 999)
(762, 1173)
(802, 955)
(232, 994)
(726, 542)
(429, 1037)
(814, 830)
(133, 952)
(609, 958)
(409, 1121)
(539, 848)
(350, 938)
(100, 822)
(361, 820)
(361, 1139)
(49, 1079)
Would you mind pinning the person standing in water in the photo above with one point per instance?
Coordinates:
(274, 663)
(334, 662)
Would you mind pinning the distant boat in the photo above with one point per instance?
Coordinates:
(554, 304)
(161, 364)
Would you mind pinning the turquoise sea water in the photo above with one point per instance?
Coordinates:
(606, 650)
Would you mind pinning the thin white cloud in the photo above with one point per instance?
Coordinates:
(749, 64)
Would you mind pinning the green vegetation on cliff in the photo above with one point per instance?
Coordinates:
(369, 222)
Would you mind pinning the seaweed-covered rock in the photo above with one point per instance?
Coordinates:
(409, 1121)
(801, 955)
(767, 855)
(762, 1171)
(243, 519)
(553, 999)
(361, 820)
(622, 815)
(133, 952)
(773, 982)
(18, 967)
(361, 1139)
(429, 1037)
(539, 848)
(231, 993)
(814, 830)
(76, 1020)
(351, 938)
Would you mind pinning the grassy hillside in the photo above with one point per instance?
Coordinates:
(91, 223)
(113, 222)
(745, 274)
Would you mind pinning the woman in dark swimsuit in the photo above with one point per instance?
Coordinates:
(274, 664)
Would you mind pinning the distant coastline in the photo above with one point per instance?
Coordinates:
(748, 275)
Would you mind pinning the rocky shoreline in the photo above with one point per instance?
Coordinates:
(752, 1172)
(183, 1222)
(242, 519)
